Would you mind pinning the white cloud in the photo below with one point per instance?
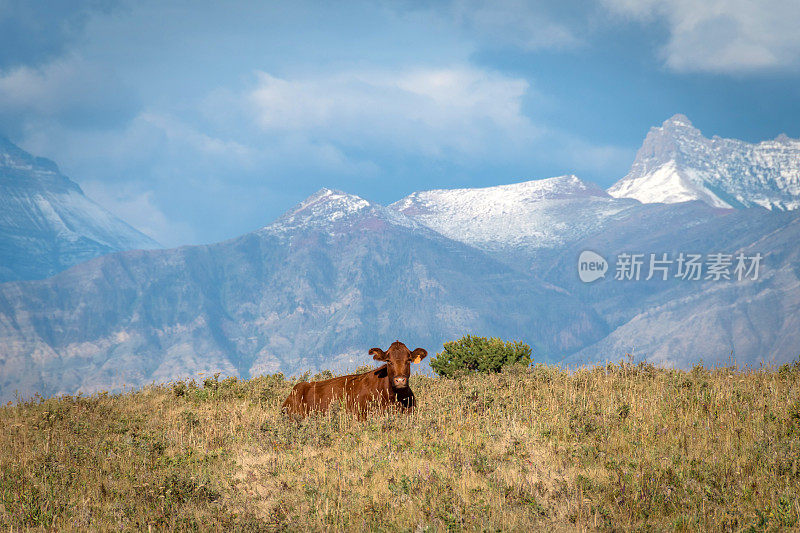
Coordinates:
(30, 88)
(579, 156)
(725, 36)
(196, 141)
(434, 112)
(67, 88)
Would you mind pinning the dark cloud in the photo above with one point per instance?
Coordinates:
(35, 32)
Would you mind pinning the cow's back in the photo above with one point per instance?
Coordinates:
(357, 391)
(318, 395)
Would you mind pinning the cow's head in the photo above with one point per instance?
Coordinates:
(398, 361)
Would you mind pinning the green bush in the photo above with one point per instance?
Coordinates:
(479, 354)
(790, 369)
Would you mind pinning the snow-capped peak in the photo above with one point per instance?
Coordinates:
(676, 163)
(329, 203)
(678, 120)
(335, 211)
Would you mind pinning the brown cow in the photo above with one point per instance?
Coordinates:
(383, 387)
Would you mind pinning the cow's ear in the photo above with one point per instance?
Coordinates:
(418, 355)
(378, 354)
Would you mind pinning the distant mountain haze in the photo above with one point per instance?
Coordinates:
(46, 222)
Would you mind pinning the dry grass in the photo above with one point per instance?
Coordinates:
(621, 447)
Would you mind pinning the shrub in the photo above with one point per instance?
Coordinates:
(479, 354)
(790, 369)
(179, 388)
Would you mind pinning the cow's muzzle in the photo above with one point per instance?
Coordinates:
(400, 383)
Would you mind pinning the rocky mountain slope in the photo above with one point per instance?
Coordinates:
(676, 163)
(46, 222)
(316, 289)
(680, 322)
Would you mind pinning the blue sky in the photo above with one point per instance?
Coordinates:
(199, 121)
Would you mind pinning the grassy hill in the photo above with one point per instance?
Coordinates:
(623, 447)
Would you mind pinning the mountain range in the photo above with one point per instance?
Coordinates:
(338, 274)
(333, 277)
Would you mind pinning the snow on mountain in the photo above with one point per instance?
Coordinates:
(676, 163)
(46, 222)
(337, 212)
(516, 220)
